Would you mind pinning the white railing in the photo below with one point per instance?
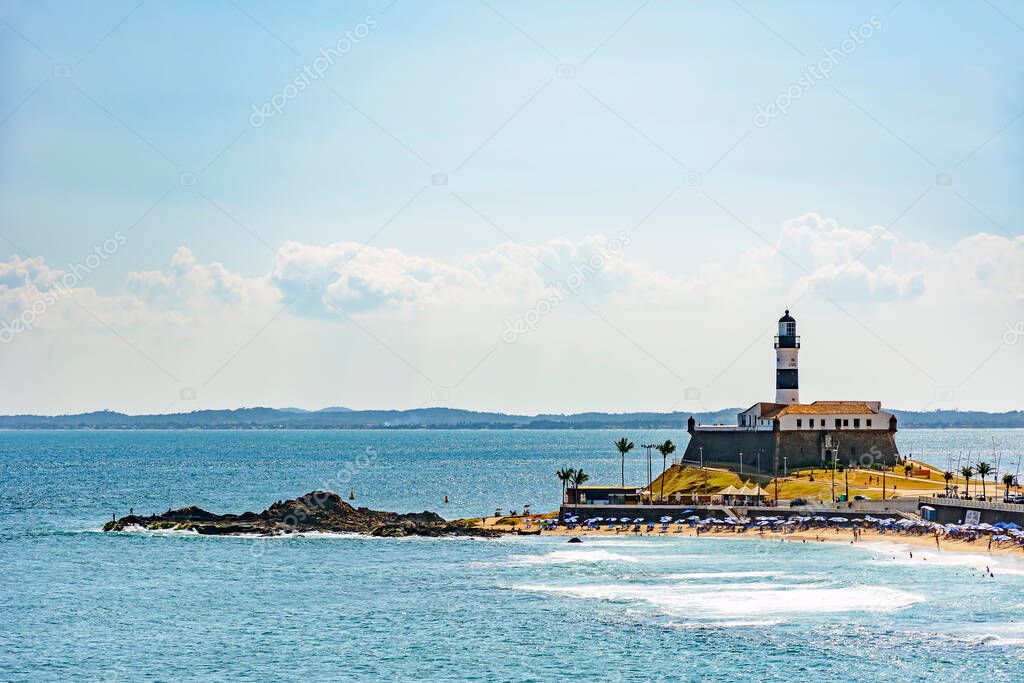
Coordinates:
(976, 504)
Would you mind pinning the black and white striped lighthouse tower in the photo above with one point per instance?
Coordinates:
(787, 347)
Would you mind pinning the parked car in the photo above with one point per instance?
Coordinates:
(861, 498)
(797, 502)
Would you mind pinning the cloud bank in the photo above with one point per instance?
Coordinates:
(912, 316)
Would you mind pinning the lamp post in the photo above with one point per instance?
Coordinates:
(846, 476)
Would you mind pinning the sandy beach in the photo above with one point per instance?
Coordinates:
(822, 535)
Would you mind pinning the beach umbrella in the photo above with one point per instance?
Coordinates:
(638, 520)
(625, 519)
(693, 517)
(837, 519)
(666, 519)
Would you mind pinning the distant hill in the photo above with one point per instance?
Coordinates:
(449, 418)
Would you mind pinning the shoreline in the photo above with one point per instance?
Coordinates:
(834, 536)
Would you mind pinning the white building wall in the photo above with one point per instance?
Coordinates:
(878, 421)
(786, 359)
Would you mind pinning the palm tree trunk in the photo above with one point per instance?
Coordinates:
(664, 460)
(623, 468)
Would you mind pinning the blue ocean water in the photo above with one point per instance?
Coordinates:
(82, 605)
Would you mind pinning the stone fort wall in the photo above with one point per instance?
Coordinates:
(799, 448)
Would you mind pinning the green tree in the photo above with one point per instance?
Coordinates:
(565, 475)
(948, 476)
(625, 446)
(1007, 483)
(666, 449)
(967, 473)
(984, 469)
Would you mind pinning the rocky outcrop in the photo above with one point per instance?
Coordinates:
(316, 511)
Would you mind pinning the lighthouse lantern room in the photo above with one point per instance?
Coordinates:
(787, 347)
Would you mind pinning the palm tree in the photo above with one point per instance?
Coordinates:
(625, 446)
(579, 477)
(948, 476)
(666, 449)
(565, 475)
(984, 469)
(1007, 483)
(967, 473)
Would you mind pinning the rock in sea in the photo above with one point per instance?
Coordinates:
(316, 511)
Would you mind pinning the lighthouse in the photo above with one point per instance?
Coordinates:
(787, 347)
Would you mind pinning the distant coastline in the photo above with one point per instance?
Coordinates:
(451, 418)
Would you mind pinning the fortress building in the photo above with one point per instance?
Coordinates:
(772, 438)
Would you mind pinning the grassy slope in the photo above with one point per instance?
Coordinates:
(799, 485)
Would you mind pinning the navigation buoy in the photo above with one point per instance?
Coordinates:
(351, 495)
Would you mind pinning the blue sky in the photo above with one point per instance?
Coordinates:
(553, 124)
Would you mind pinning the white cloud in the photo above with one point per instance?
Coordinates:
(194, 288)
(421, 317)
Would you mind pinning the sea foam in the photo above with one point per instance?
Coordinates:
(573, 556)
(744, 601)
